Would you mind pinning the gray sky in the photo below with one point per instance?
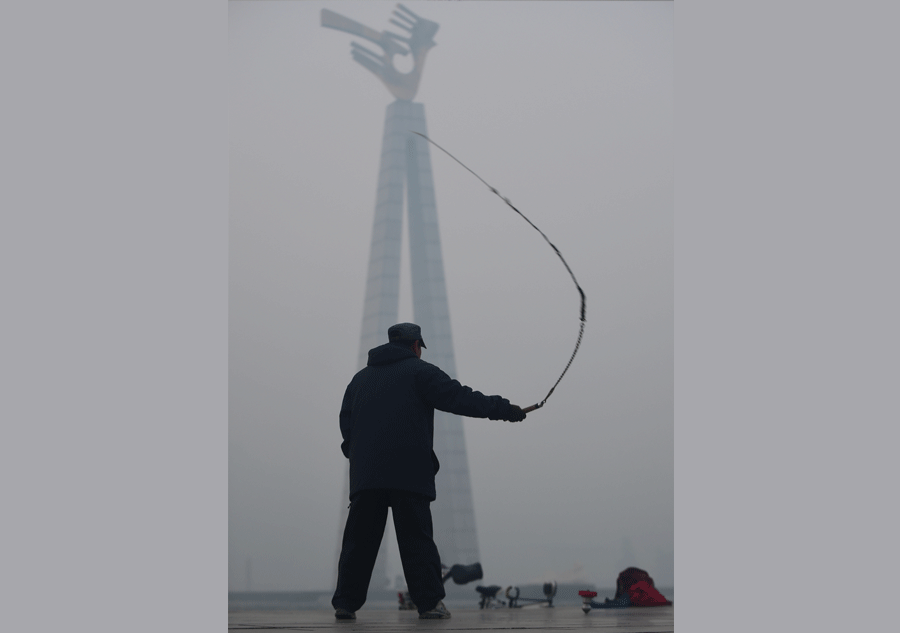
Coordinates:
(566, 108)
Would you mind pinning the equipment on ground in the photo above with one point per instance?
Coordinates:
(489, 599)
(460, 574)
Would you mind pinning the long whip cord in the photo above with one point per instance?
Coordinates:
(556, 250)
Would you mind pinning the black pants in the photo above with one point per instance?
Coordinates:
(415, 538)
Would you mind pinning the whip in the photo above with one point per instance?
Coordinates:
(556, 250)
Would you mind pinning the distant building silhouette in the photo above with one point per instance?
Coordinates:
(406, 166)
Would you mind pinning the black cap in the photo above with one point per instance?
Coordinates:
(406, 333)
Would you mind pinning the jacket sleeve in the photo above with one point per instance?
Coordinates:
(446, 394)
(346, 423)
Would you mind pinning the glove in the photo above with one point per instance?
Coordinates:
(516, 414)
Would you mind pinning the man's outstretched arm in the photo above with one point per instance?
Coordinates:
(446, 394)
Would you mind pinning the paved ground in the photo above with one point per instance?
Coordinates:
(561, 618)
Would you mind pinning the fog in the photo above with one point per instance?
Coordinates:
(564, 107)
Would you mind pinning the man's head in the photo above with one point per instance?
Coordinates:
(407, 334)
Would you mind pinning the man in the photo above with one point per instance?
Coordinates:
(387, 423)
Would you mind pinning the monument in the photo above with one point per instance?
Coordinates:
(406, 167)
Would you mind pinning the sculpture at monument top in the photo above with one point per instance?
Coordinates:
(419, 42)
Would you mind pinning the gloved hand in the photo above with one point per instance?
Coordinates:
(516, 414)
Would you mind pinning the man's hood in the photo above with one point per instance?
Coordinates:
(389, 353)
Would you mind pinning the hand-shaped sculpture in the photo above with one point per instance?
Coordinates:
(419, 42)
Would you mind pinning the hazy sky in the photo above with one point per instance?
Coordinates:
(567, 109)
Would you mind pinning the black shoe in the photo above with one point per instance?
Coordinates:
(344, 614)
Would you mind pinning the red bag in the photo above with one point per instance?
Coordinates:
(643, 594)
(637, 585)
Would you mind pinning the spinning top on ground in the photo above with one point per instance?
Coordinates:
(586, 599)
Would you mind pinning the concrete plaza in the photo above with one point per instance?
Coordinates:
(559, 618)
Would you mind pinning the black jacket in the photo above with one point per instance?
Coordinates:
(387, 419)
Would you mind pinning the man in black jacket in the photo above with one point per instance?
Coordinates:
(387, 423)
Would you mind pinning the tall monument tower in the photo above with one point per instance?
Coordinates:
(406, 166)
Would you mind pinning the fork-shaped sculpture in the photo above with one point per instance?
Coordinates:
(419, 42)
